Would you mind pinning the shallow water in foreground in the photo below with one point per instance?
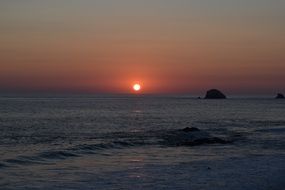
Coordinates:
(116, 142)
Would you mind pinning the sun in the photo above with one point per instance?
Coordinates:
(137, 87)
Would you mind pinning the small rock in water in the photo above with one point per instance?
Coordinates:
(191, 136)
(280, 96)
(190, 129)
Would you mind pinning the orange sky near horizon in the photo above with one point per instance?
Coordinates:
(106, 47)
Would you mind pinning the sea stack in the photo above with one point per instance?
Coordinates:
(280, 96)
(215, 94)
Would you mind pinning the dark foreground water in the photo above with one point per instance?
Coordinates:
(117, 142)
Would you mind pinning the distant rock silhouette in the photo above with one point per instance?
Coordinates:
(280, 96)
(215, 94)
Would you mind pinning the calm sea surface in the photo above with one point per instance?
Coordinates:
(116, 142)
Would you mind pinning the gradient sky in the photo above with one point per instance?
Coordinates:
(170, 46)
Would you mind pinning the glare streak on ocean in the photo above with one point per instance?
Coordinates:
(122, 142)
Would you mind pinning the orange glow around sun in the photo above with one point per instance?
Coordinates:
(137, 87)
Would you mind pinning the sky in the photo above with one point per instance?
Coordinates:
(105, 46)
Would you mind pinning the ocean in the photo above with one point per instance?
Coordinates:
(138, 142)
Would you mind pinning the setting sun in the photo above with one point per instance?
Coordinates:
(137, 87)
